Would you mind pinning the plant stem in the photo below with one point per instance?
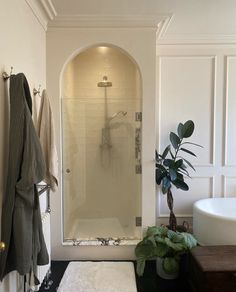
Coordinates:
(170, 203)
(177, 150)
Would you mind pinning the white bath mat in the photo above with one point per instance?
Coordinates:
(98, 277)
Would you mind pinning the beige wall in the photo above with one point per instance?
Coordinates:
(23, 47)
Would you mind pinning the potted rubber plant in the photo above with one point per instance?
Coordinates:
(172, 167)
(166, 247)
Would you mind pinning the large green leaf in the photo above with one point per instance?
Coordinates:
(168, 162)
(180, 176)
(185, 172)
(164, 189)
(179, 130)
(160, 239)
(166, 182)
(172, 155)
(187, 129)
(183, 166)
(161, 167)
(189, 164)
(187, 151)
(159, 176)
(140, 266)
(154, 230)
(178, 246)
(173, 174)
(166, 152)
(161, 250)
(163, 230)
(152, 240)
(192, 144)
(158, 156)
(174, 139)
(174, 236)
(189, 240)
(170, 265)
(181, 185)
(178, 163)
(145, 250)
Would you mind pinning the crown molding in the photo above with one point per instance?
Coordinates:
(43, 10)
(47, 16)
(109, 21)
(197, 39)
(163, 26)
(49, 9)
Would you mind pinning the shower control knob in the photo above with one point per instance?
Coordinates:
(68, 170)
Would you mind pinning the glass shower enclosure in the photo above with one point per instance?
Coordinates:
(101, 147)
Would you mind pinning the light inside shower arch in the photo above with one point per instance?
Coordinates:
(101, 105)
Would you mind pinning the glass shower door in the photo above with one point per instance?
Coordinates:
(101, 152)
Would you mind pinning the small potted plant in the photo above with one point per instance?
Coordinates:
(171, 167)
(166, 247)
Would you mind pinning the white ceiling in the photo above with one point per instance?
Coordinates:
(190, 18)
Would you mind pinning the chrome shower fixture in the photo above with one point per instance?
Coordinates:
(104, 82)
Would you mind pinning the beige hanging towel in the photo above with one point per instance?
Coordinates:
(46, 133)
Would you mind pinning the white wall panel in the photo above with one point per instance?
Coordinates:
(187, 91)
(198, 82)
(199, 188)
(229, 186)
(230, 107)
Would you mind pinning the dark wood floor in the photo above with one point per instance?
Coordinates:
(150, 282)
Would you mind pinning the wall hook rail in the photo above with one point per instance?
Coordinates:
(6, 76)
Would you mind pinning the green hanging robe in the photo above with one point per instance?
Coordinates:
(21, 216)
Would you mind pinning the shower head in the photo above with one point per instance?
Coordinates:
(104, 82)
(123, 113)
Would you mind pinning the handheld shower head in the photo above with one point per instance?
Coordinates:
(123, 113)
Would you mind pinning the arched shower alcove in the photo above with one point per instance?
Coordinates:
(140, 44)
(101, 135)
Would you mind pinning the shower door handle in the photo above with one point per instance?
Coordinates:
(137, 143)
